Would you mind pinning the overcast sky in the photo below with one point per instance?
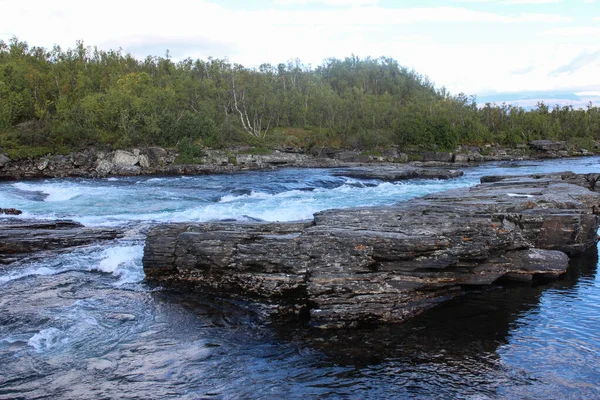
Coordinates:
(525, 47)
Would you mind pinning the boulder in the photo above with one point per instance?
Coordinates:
(84, 159)
(123, 158)
(104, 167)
(468, 157)
(144, 161)
(399, 173)
(126, 170)
(3, 160)
(157, 156)
(386, 264)
(10, 211)
(437, 156)
(547, 145)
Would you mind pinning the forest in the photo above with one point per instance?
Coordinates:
(56, 101)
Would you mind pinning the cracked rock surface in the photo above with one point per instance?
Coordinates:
(386, 264)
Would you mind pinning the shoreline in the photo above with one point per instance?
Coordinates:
(156, 161)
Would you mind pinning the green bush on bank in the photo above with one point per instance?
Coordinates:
(70, 99)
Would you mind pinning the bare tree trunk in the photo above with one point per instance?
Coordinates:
(253, 128)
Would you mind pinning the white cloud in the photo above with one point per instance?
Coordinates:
(337, 3)
(417, 37)
(571, 33)
(514, 2)
(530, 1)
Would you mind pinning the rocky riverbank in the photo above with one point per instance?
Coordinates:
(94, 163)
(387, 264)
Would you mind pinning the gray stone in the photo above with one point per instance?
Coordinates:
(144, 161)
(19, 238)
(127, 170)
(399, 173)
(43, 164)
(3, 160)
(125, 158)
(84, 159)
(468, 157)
(437, 156)
(547, 145)
(157, 156)
(104, 167)
(10, 211)
(387, 264)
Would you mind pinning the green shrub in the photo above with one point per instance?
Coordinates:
(189, 151)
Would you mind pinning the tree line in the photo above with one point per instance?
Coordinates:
(59, 100)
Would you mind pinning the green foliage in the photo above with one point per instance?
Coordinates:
(189, 152)
(57, 99)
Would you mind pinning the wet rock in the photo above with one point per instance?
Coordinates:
(19, 237)
(399, 173)
(386, 264)
(10, 211)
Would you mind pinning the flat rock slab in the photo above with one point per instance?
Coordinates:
(399, 173)
(21, 237)
(386, 264)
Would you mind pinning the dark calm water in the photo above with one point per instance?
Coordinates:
(82, 324)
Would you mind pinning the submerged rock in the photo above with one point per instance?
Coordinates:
(386, 264)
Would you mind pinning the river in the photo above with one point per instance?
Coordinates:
(83, 324)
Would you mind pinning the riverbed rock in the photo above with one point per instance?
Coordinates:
(385, 264)
(21, 237)
(398, 173)
(10, 211)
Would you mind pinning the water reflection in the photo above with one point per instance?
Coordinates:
(512, 341)
(98, 341)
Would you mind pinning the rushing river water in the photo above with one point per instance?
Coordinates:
(82, 324)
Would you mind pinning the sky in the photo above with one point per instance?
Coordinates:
(519, 51)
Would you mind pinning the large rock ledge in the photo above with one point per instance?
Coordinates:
(399, 173)
(387, 264)
(22, 237)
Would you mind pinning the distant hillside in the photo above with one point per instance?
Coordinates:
(57, 100)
